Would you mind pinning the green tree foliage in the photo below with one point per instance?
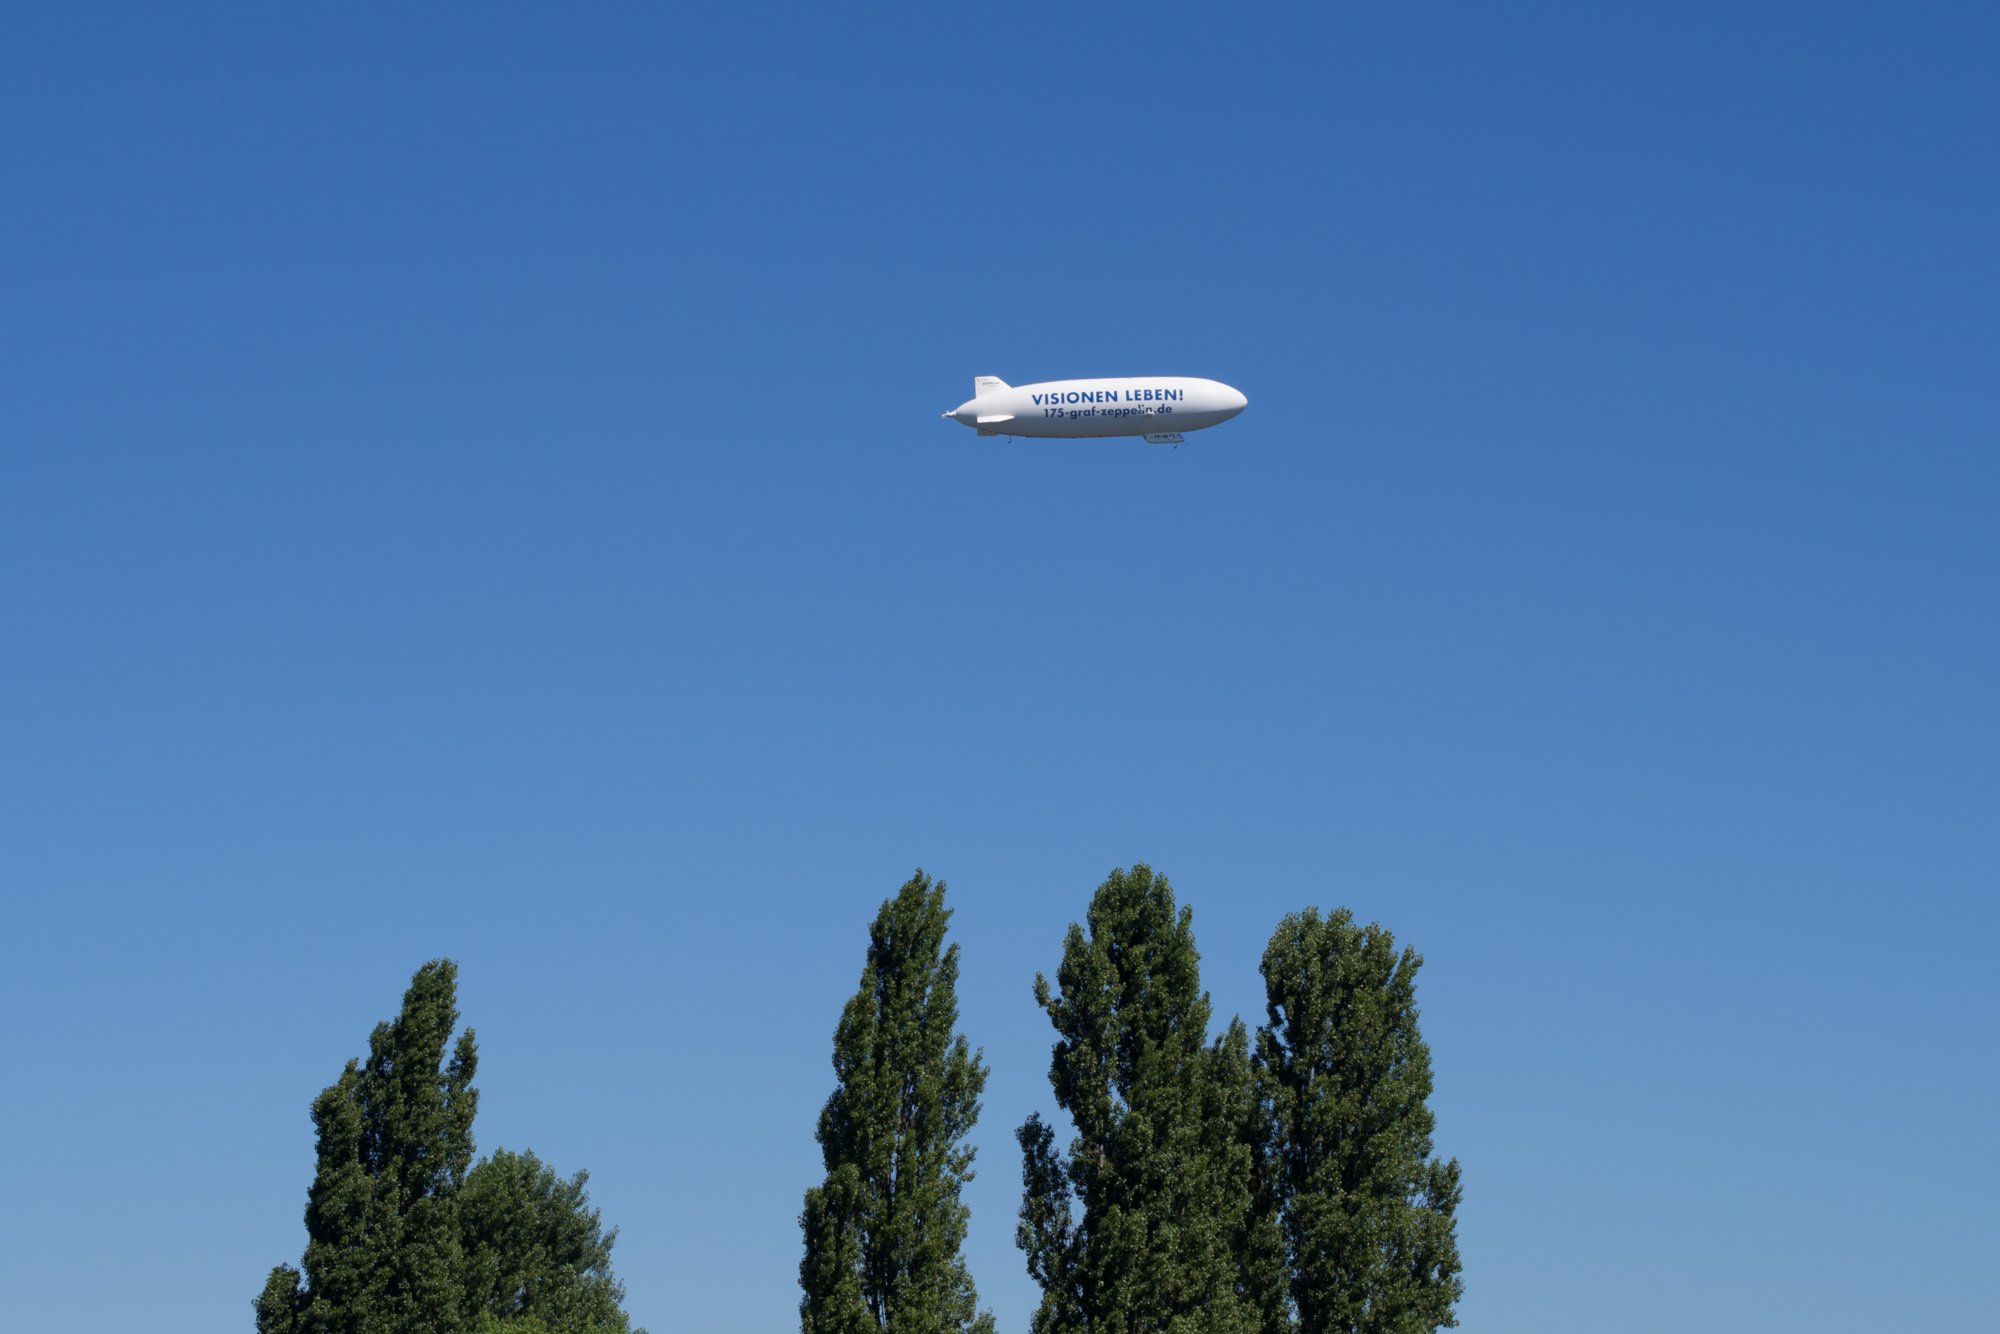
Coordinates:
(394, 1144)
(883, 1231)
(1367, 1213)
(1146, 1225)
(1238, 1120)
(405, 1235)
(537, 1257)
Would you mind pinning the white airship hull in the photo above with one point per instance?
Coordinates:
(1159, 407)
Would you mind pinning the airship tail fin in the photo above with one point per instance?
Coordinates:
(982, 385)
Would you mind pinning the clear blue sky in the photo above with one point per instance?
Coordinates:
(471, 484)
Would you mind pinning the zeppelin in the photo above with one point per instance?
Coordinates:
(1159, 408)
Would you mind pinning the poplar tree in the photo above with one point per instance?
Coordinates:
(884, 1229)
(383, 1254)
(1368, 1214)
(403, 1237)
(1143, 1226)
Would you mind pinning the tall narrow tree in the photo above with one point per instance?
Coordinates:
(1368, 1214)
(394, 1143)
(1141, 1228)
(883, 1231)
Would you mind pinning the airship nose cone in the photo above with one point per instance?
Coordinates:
(1237, 402)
